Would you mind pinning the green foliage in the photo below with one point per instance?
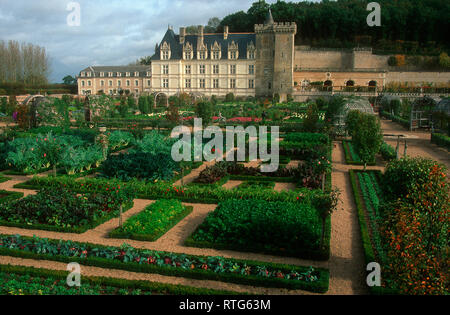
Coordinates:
(392, 61)
(204, 110)
(131, 102)
(61, 207)
(310, 123)
(3, 104)
(444, 60)
(126, 257)
(352, 121)
(401, 176)
(441, 140)
(387, 152)
(120, 139)
(368, 137)
(144, 105)
(229, 98)
(255, 225)
(334, 109)
(153, 222)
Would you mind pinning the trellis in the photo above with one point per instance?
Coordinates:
(421, 113)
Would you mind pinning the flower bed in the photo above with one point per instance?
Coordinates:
(280, 228)
(153, 222)
(196, 267)
(18, 280)
(60, 209)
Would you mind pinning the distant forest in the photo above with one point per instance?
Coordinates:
(408, 26)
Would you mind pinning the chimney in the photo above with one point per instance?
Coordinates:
(182, 35)
(225, 32)
(200, 34)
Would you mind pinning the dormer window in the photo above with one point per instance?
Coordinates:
(119, 74)
(202, 55)
(187, 51)
(110, 74)
(251, 49)
(89, 74)
(83, 74)
(127, 74)
(136, 74)
(233, 51)
(165, 51)
(216, 51)
(149, 74)
(102, 74)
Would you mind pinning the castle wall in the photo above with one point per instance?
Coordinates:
(418, 77)
(321, 59)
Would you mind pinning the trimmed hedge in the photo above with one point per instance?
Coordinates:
(146, 286)
(319, 286)
(9, 196)
(4, 179)
(364, 226)
(144, 216)
(441, 140)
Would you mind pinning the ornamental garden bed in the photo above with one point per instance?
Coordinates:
(257, 185)
(367, 195)
(278, 228)
(152, 223)
(351, 156)
(193, 193)
(196, 267)
(64, 210)
(18, 280)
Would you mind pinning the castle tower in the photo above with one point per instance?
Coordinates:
(275, 58)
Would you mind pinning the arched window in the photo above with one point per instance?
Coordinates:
(350, 83)
(373, 83)
(328, 83)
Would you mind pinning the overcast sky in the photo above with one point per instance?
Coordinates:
(112, 32)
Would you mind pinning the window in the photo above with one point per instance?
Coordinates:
(89, 74)
(202, 55)
(202, 69)
(83, 74)
(149, 82)
(119, 74)
(119, 83)
(216, 55)
(251, 69)
(102, 74)
(110, 74)
(232, 69)
(165, 55)
(165, 69)
(102, 83)
(233, 55)
(128, 82)
(149, 74)
(89, 83)
(232, 83)
(216, 83)
(188, 83)
(82, 83)
(136, 83)
(110, 83)
(215, 69)
(188, 55)
(166, 83)
(251, 84)
(136, 74)
(127, 74)
(188, 69)
(251, 55)
(202, 83)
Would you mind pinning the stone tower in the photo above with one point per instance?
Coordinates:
(275, 58)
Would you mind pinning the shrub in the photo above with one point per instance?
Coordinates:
(401, 176)
(229, 98)
(212, 174)
(204, 110)
(352, 121)
(416, 237)
(120, 139)
(257, 225)
(310, 123)
(388, 152)
(368, 137)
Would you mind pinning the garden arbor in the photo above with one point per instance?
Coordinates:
(421, 113)
(352, 103)
(32, 102)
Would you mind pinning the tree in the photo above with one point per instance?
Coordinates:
(325, 205)
(312, 118)
(368, 137)
(213, 25)
(145, 61)
(204, 110)
(69, 80)
(131, 102)
(143, 105)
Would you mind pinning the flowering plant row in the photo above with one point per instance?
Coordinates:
(129, 258)
(158, 190)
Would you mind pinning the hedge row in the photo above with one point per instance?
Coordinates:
(365, 234)
(404, 122)
(146, 286)
(4, 179)
(7, 196)
(441, 140)
(320, 285)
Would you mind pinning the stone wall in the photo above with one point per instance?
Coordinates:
(418, 77)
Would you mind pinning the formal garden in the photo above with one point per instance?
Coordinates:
(93, 182)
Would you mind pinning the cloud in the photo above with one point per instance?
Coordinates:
(112, 32)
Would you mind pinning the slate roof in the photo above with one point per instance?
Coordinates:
(241, 39)
(115, 69)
